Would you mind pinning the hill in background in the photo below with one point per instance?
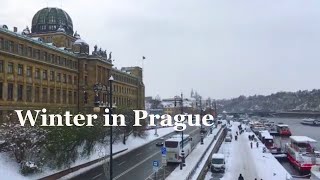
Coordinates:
(281, 101)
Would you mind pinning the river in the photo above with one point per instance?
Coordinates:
(297, 129)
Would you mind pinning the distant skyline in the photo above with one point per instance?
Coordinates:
(222, 49)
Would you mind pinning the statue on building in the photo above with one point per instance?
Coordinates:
(110, 56)
(26, 31)
(76, 35)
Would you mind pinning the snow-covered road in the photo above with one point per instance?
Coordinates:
(239, 161)
(251, 163)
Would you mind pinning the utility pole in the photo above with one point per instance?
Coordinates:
(182, 152)
(182, 138)
(110, 108)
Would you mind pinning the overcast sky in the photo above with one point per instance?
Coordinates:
(222, 48)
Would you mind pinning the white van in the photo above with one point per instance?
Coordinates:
(218, 163)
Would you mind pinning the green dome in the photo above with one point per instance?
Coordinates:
(52, 20)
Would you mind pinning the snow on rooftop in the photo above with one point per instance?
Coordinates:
(302, 139)
(80, 41)
(282, 125)
(266, 135)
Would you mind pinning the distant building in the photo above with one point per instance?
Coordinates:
(50, 66)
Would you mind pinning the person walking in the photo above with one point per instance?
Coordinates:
(240, 177)
(251, 144)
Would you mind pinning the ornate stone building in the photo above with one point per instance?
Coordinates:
(50, 66)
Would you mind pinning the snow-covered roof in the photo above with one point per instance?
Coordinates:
(37, 39)
(266, 135)
(177, 137)
(80, 41)
(282, 125)
(302, 139)
(218, 156)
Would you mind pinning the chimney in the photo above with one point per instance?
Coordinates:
(15, 29)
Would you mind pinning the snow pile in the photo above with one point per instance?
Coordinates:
(193, 158)
(9, 169)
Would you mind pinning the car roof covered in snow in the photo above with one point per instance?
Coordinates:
(302, 139)
(177, 137)
(218, 156)
(282, 125)
(266, 135)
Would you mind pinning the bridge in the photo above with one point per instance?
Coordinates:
(302, 114)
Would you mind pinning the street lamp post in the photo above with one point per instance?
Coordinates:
(183, 162)
(110, 109)
(97, 105)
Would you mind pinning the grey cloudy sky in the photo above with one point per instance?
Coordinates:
(222, 48)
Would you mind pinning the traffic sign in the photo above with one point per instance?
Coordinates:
(164, 161)
(155, 165)
(164, 151)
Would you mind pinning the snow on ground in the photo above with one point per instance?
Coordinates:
(193, 158)
(204, 160)
(251, 163)
(238, 159)
(262, 160)
(11, 168)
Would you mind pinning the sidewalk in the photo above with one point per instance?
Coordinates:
(251, 163)
(238, 158)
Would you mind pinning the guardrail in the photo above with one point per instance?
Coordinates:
(76, 168)
(203, 155)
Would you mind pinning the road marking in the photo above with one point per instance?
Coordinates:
(121, 163)
(97, 176)
(133, 167)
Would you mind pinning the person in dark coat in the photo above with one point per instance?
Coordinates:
(240, 177)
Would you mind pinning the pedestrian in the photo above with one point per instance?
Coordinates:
(240, 177)
(257, 144)
(251, 144)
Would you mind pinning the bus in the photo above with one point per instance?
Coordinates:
(174, 148)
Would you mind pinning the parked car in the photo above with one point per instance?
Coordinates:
(228, 138)
(218, 163)
(160, 142)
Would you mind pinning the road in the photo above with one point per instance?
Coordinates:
(238, 159)
(136, 164)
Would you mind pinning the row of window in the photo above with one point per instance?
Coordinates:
(28, 51)
(124, 90)
(102, 71)
(125, 101)
(49, 95)
(52, 75)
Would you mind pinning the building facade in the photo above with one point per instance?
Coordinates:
(51, 67)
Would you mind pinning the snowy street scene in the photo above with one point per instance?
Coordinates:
(159, 90)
